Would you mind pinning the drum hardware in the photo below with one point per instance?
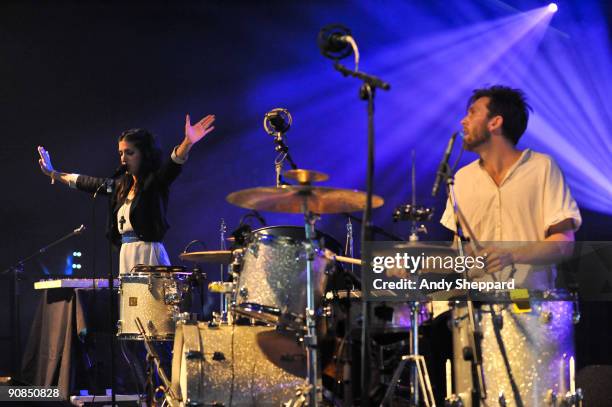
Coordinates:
(419, 377)
(423, 380)
(565, 397)
(307, 200)
(153, 360)
(301, 397)
(413, 212)
(453, 401)
(223, 305)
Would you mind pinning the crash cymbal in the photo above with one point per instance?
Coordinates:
(306, 176)
(213, 256)
(289, 199)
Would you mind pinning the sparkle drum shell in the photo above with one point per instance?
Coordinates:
(156, 295)
(272, 282)
(234, 365)
(522, 351)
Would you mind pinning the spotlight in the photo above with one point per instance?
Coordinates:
(552, 7)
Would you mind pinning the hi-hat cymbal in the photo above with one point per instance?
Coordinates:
(290, 199)
(306, 176)
(213, 256)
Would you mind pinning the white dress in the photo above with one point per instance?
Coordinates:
(137, 252)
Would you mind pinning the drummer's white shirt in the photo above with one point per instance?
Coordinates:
(532, 197)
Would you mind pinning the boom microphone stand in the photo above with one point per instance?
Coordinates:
(335, 42)
(17, 269)
(479, 392)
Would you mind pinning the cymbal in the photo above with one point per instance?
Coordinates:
(289, 199)
(213, 256)
(306, 176)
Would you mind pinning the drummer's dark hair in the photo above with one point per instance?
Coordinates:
(147, 144)
(511, 104)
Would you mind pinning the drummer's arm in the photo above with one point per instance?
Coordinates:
(556, 247)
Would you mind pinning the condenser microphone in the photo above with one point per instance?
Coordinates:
(335, 41)
(277, 121)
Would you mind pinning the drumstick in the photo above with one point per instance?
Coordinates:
(333, 256)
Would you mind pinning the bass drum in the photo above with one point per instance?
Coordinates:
(234, 365)
(272, 282)
(522, 351)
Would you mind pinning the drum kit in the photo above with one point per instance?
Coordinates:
(287, 326)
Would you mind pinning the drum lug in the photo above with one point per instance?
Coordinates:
(254, 250)
(244, 292)
(218, 356)
(171, 293)
(546, 317)
(194, 354)
(551, 398)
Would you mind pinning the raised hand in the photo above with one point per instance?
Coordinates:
(45, 161)
(196, 132)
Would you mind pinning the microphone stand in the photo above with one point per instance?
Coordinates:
(367, 93)
(112, 308)
(283, 151)
(479, 391)
(17, 269)
(281, 147)
(371, 80)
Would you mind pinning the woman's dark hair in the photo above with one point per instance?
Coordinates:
(151, 154)
(511, 104)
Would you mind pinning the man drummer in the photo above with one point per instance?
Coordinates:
(511, 195)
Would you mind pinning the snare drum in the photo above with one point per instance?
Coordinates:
(522, 350)
(272, 282)
(155, 294)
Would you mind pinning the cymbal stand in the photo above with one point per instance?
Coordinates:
(419, 377)
(223, 297)
(310, 340)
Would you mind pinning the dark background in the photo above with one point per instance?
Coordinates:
(76, 74)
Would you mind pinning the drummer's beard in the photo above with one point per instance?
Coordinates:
(476, 138)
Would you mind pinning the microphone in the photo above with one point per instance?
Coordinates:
(108, 182)
(443, 167)
(119, 171)
(277, 120)
(334, 43)
(79, 230)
